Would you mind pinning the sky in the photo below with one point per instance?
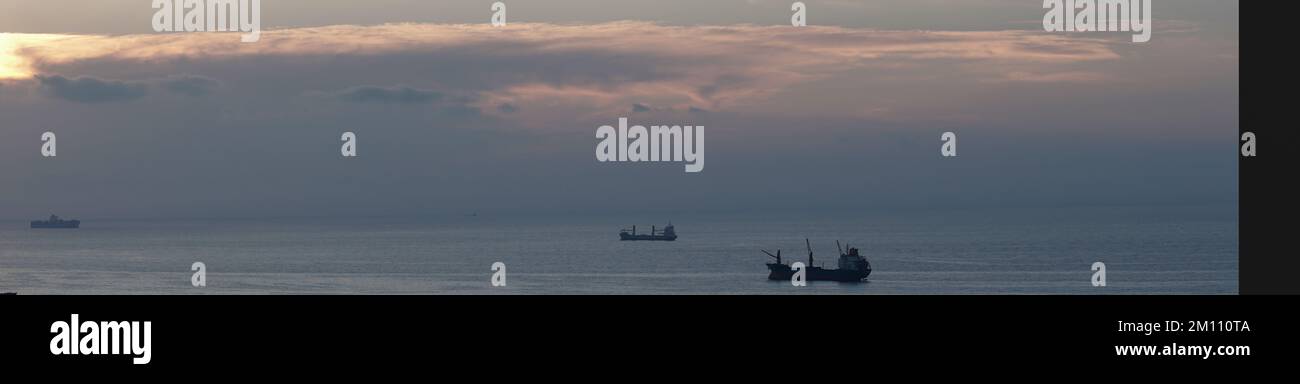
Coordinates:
(454, 115)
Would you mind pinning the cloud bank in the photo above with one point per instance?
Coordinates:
(474, 117)
(609, 64)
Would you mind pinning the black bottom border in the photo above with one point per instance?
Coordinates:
(306, 333)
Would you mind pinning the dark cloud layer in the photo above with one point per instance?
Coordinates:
(92, 90)
(88, 89)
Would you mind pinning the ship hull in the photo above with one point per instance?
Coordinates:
(73, 224)
(627, 237)
(784, 272)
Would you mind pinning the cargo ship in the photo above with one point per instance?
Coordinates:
(56, 223)
(853, 267)
(667, 234)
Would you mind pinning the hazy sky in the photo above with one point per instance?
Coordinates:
(454, 115)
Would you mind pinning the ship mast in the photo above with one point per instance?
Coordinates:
(810, 256)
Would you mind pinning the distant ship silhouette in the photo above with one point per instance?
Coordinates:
(56, 223)
(668, 234)
(852, 267)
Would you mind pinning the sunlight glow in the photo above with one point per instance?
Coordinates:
(13, 65)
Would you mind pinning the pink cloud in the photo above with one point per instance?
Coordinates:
(711, 67)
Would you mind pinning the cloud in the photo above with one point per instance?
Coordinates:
(604, 66)
(189, 85)
(92, 90)
(388, 95)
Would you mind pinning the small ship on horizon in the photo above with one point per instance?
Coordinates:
(853, 267)
(667, 234)
(56, 223)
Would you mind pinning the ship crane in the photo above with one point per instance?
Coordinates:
(777, 256)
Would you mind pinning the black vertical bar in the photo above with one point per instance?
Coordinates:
(1267, 186)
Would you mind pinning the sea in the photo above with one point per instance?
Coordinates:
(1145, 250)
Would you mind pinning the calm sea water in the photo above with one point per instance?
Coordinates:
(1173, 250)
